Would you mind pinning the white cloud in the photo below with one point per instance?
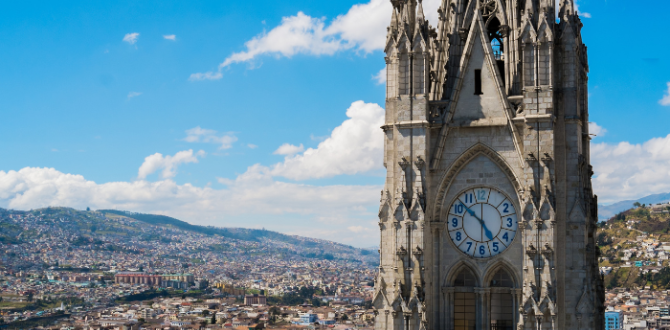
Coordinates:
(597, 130)
(250, 200)
(380, 77)
(289, 149)
(168, 163)
(254, 198)
(358, 229)
(665, 101)
(356, 146)
(198, 134)
(627, 171)
(131, 38)
(170, 37)
(134, 94)
(364, 25)
(362, 28)
(252, 146)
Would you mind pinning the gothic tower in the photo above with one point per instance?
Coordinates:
(487, 217)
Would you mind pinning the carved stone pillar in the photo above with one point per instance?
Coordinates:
(479, 307)
(517, 296)
(448, 315)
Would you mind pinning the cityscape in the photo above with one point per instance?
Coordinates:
(85, 270)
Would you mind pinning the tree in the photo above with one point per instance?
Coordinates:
(637, 204)
(205, 312)
(213, 319)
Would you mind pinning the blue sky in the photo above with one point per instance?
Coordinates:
(237, 113)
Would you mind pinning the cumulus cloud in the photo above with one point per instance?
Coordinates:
(356, 146)
(597, 130)
(247, 200)
(170, 37)
(131, 38)
(167, 163)
(628, 171)
(380, 77)
(287, 149)
(134, 94)
(665, 101)
(362, 28)
(198, 134)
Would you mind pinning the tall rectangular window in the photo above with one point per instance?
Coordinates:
(464, 311)
(478, 82)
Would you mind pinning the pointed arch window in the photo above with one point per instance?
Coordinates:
(529, 64)
(544, 61)
(404, 73)
(497, 41)
(419, 73)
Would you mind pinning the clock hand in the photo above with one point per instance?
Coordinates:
(488, 233)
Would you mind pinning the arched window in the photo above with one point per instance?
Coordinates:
(545, 60)
(465, 314)
(497, 44)
(529, 64)
(502, 301)
(419, 74)
(403, 74)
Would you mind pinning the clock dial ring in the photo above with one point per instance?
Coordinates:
(482, 222)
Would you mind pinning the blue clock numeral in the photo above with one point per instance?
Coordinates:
(509, 222)
(458, 208)
(469, 245)
(481, 194)
(482, 250)
(458, 236)
(454, 222)
(495, 246)
(468, 198)
(506, 208)
(505, 237)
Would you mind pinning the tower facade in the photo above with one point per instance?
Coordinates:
(487, 217)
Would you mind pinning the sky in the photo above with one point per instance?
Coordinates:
(265, 114)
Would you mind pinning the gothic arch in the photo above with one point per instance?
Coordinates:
(498, 266)
(464, 159)
(457, 269)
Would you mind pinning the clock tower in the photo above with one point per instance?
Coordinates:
(487, 216)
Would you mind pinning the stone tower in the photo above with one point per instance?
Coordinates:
(487, 217)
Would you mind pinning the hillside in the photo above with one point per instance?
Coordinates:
(605, 212)
(130, 232)
(632, 243)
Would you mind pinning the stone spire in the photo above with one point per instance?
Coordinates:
(567, 7)
(420, 17)
(530, 10)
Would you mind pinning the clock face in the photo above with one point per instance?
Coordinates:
(482, 222)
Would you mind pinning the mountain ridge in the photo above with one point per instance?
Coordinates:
(606, 212)
(86, 225)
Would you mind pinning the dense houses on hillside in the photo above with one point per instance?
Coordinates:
(55, 270)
